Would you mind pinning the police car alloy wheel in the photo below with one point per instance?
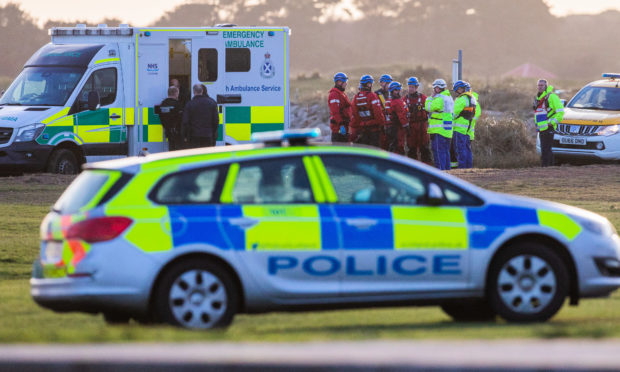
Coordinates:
(528, 283)
(198, 295)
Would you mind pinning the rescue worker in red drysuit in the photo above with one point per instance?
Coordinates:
(339, 109)
(367, 117)
(416, 138)
(384, 97)
(399, 123)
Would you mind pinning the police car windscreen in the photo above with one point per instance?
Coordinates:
(597, 98)
(42, 86)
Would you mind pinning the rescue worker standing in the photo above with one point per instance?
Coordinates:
(472, 129)
(416, 137)
(171, 116)
(398, 118)
(548, 112)
(339, 109)
(367, 117)
(440, 107)
(464, 113)
(384, 98)
(200, 119)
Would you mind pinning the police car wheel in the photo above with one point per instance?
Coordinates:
(116, 318)
(528, 283)
(197, 294)
(469, 311)
(63, 161)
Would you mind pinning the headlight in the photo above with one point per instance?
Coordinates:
(599, 227)
(609, 130)
(29, 132)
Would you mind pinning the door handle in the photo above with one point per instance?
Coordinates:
(243, 222)
(361, 223)
(115, 116)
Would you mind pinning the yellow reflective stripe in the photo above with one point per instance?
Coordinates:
(240, 132)
(129, 116)
(229, 184)
(145, 115)
(57, 115)
(328, 188)
(267, 114)
(429, 228)
(559, 222)
(283, 227)
(156, 133)
(315, 181)
(94, 133)
(107, 60)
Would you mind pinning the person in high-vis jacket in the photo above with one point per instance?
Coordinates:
(472, 130)
(399, 123)
(384, 97)
(548, 112)
(440, 107)
(367, 117)
(464, 113)
(339, 109)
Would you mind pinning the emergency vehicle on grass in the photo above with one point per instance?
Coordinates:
(93, 92)
(193, 237)
(590, 129)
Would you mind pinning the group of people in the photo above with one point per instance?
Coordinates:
(189, 124)
(407, 124)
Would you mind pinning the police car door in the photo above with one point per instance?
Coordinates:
(271, 218)
(394, 244)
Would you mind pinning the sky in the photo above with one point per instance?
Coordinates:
(146, 12)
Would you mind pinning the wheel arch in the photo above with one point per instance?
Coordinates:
(556, 246)
(71, 146)
(196, 256)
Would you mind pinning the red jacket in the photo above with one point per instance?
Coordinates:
(339, 109)
(398, 112)
(415, 104)
(367, 110)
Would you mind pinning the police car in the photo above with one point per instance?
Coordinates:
(193, 237)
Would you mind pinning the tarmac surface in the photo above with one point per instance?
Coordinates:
(472, 355)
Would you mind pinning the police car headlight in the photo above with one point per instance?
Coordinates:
(29, 132)
(599, 227)
(609, 130)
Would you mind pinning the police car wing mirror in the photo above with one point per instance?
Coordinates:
(434, 195)
(93, 100)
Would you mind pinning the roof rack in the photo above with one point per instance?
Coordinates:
(294, 137)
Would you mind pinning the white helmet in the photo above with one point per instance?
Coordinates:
(440, 83)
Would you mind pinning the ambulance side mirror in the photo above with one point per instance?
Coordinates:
(93, 100)
(434, 195)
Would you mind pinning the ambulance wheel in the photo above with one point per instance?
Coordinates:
(469, 311)
(63, 161)
(197, 294)
(527, 283)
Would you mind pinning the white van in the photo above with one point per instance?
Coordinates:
(48, 123)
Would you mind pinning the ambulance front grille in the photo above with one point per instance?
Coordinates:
(577, 130)
(5, 135)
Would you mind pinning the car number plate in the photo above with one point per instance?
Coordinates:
(52, 252)
(573, 141)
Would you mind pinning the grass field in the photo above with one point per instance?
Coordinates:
(25, 200)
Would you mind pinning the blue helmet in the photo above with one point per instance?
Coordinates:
(340, 76)
(385, 78)
(366, 79)
(459, 84)
(467, 86)
(413, 81)
(395, 85)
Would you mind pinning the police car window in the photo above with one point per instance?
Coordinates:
(238, 59)
(207, 64)
(455, 196)
(366, 180)
(191, 187)
(103, 82)
(272, 181)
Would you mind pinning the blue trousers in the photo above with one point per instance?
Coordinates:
(440, 146)
(462, 144)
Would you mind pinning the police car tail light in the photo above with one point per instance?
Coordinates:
(98, 229)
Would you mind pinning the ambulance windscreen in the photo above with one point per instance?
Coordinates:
(64, 55)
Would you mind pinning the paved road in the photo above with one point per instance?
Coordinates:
(521, 355)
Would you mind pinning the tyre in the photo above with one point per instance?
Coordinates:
(197, 294)
(63, 161)
(469, 311)
(115, 318)
(527, 283)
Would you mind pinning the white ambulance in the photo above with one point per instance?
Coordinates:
(51, 120)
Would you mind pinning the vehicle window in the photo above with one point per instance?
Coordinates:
(237, 59)
(597, 98)
(207, 64)
(272, 181)
(81, 191)
(455, 196)
(42, 86)
(367, 180)
(102, 82)
(193, 187)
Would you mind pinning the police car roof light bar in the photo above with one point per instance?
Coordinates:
(296, 136)
(611, 75)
